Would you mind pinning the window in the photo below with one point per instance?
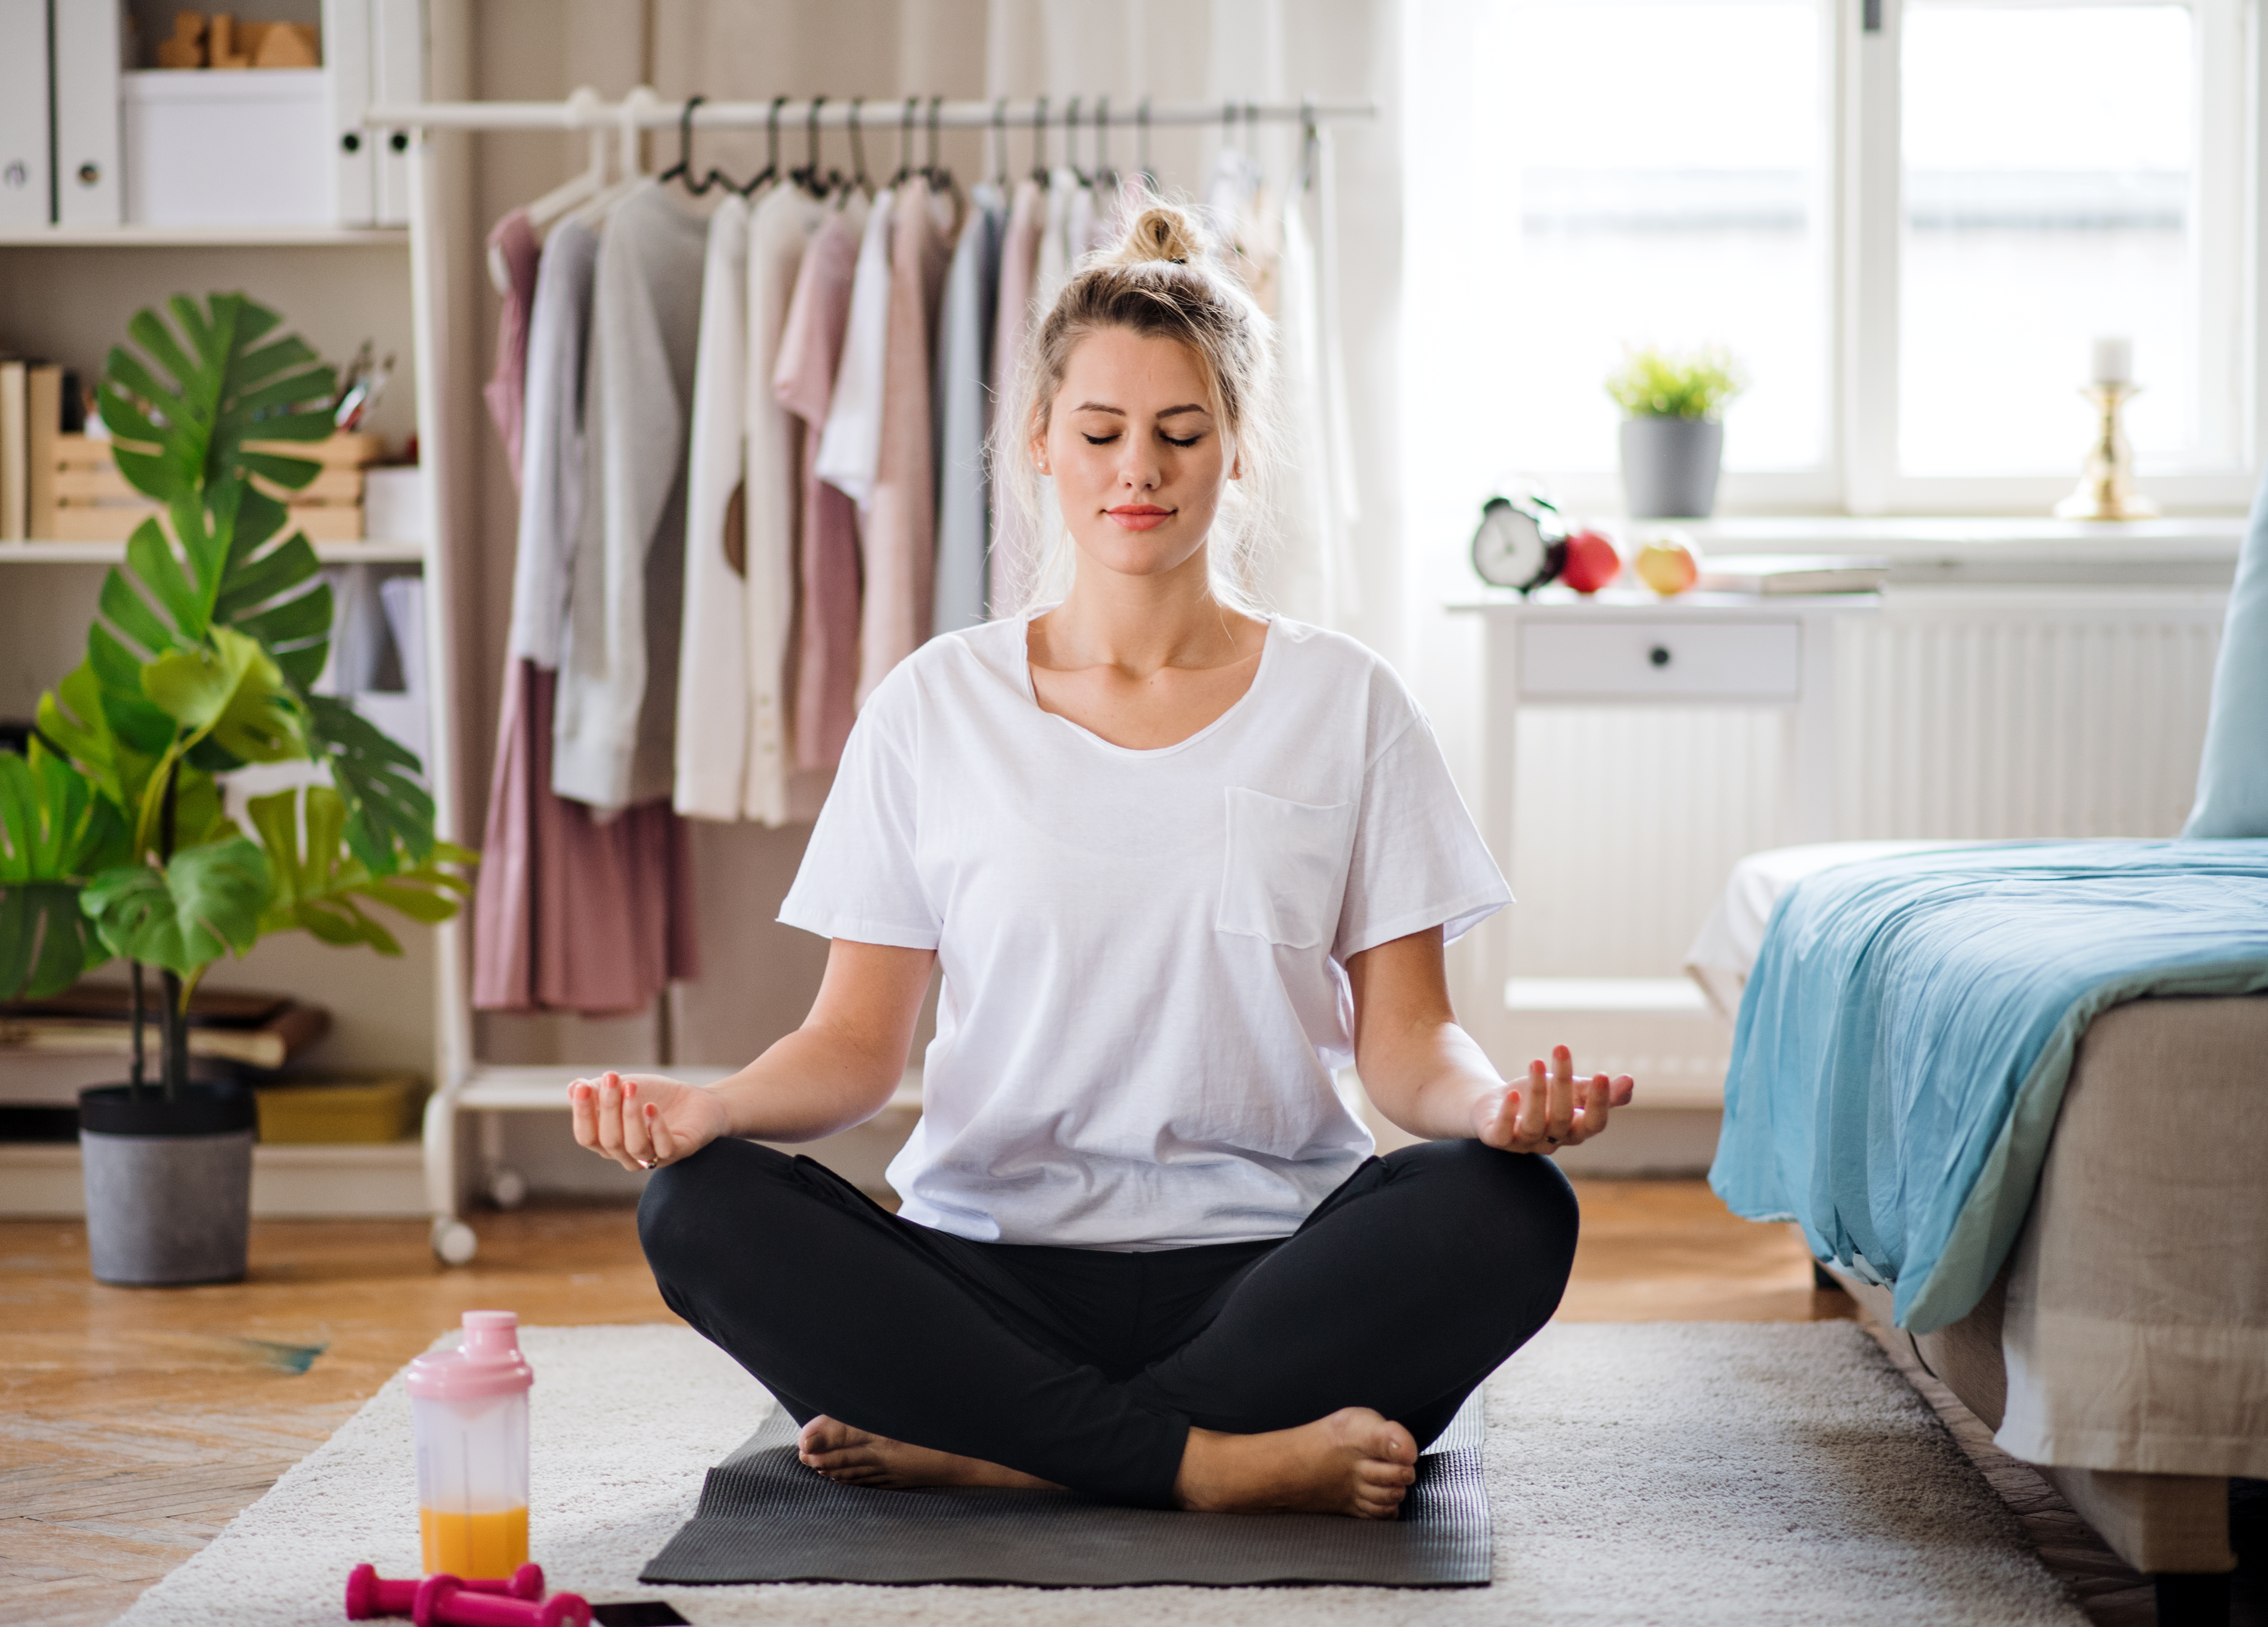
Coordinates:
(1909, 236)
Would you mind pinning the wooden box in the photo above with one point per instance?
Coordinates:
(89, 500)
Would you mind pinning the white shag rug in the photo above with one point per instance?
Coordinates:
(1686, 1472)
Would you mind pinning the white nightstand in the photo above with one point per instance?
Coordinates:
(1623, 648)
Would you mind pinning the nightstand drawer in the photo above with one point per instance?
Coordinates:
(1673, 661)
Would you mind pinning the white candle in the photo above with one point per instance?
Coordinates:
(2114, 360)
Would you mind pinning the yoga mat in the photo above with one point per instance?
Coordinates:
(763, 1517)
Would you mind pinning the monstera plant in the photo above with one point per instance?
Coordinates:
(114, 838)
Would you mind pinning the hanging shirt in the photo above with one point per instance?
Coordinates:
(568, 914)
(1055, 243)
(712, 695)
(512, 242)
(551, 439)
(963, 409)
(1007, 571)
(803, 382)
(1143, 952)
(898, 542)
(851, 451)
(618, 676)
(731, 748)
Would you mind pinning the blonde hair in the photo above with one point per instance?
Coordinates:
(1163, 280)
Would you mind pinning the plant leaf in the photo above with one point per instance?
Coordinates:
(389, 812)
(316, 885)
(205, 903)
(54, 825)
(47, 942)
(233, 692)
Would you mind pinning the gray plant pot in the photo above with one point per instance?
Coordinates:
(1669, 467)
(168, 1184)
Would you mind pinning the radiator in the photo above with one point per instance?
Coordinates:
(1960, 712)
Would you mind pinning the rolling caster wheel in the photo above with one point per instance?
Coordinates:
(507, 1187)
(455, 1242)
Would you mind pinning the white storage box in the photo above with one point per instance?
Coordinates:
(229, 147)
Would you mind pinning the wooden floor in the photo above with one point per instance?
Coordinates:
(136, 1422)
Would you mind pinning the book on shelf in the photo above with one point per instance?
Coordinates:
(31, 421)
(1772, 575)
(251, 1031)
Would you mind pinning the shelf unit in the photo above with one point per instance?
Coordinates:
(111, 553)
(65, 291)
(207, 237)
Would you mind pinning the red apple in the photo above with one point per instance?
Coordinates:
(1592, 563)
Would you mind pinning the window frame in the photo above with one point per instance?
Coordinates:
(1865, 214)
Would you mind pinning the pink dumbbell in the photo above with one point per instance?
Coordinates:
(370, 1594)
(443, 1601)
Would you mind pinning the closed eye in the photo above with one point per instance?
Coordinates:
(1100, 440)
(1170, 441)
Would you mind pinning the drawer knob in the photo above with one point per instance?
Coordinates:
(1659, 656)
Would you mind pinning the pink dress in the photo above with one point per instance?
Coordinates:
(826, 608)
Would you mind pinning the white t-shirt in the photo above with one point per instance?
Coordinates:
(1142, 951)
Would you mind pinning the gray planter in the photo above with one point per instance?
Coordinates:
(168, 1184)
(1669, 467)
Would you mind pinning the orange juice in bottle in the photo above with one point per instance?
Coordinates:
(468, 1408)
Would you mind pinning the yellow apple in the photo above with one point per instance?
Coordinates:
(1668, 565)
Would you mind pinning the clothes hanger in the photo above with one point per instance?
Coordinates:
(560, 199)
(771, 169)
(682, 170)
(808, 175)
(938, 174)
(906, 143)
(999, 154)
(1071, 142)
(1142, 145)
(633, 169)
(1104, 174)
(859, 177)
(1040, 141)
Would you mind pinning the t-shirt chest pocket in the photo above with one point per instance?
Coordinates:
(1285, 872)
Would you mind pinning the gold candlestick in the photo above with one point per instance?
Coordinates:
(2106, 487)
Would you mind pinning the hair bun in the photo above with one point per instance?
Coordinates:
(1161, 232)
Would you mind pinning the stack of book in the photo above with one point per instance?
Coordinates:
(252, 1030)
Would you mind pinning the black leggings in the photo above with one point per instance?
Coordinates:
(1401, 1291)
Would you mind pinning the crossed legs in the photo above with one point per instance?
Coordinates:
(1302, 1373)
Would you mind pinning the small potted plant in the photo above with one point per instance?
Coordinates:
(1673, 433)
(113, 836)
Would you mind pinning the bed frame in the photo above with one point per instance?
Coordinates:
(2127, 1334)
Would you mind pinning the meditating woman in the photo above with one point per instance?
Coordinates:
(1179, 859)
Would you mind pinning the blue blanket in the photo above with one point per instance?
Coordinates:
(1906, 1035)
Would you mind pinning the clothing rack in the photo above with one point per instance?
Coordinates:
(442, 280)
(643, 110)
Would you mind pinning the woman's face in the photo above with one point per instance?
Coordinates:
(1137, 461)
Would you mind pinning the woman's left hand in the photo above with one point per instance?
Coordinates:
(1553, 1110)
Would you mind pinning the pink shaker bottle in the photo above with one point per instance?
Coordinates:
(468, 1408)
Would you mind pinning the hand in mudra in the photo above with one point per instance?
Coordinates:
(1549, 1111)
(642, 1121)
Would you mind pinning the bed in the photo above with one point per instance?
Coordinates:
(2017, 1097)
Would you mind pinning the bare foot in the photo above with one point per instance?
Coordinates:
(855, 1458)
(1352, 1462)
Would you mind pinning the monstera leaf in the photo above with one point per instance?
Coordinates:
(389, 813)
(189, 426)
(203, 904)
(55, 829)
(314, 889)
(233, 692)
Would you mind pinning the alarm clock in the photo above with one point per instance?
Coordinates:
(1520, 545)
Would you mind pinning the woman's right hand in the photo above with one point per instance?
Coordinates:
(642, 1121)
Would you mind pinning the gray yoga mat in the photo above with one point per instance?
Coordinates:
(763, 1517)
